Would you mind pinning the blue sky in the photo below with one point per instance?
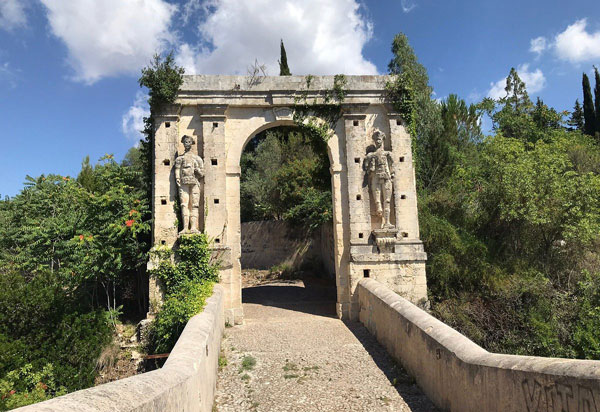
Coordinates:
(69, 69)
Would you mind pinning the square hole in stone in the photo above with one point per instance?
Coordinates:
(398, 122)
(366, 273)
(355, 123)
(404, 234)
(167, 124)
(360, 235)
(163, 242)
(216, 201)
(217, 240)
(214, 162)
(357, 160)
(403, 197)
(401, 158)
(358, 197)
(163, 201)
(215, 125)
(166, 162)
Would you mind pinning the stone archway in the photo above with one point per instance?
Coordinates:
(223, 113)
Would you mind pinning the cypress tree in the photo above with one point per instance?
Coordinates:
(284, 70)
(576, 120)
(589, 114)
(597, 98)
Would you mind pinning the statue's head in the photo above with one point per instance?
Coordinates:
(378, 137)
(187, 141)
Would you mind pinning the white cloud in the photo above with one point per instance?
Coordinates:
(534, 81)
(320, 37)
(577, 45)
(8, 75)
(407, 6)
(132, 122)
(538, 45)
(110, 37)
(12, 14)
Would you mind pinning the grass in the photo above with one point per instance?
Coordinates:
(289, 366)
(310, 368)
(222, 361)
(248, 363)
(290, 376)
(245, 377)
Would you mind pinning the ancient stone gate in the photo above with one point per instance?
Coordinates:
(223, 113)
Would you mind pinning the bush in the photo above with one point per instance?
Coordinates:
(47, 336)
(188, 283)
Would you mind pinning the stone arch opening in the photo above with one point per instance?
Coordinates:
(286, 228)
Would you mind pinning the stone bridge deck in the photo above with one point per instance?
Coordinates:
(307, 359)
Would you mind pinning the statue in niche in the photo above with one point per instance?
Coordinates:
(379, 166)
(189, 169)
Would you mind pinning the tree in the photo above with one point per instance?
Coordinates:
(405, 61)
(576, 120)
(284, 70)
(516, 93)
(597, 99)
(589, 114)
(163, 79)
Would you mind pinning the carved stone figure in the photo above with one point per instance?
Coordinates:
(379, 167)
(189, 169)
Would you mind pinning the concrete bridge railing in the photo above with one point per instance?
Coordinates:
(458, 375)
(186, 382)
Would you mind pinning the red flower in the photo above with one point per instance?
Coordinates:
(132, 211)
(129, 223)
(43, 385)
(12, 392)
(80, 237)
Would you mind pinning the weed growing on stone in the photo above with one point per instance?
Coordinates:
(310, 368)
(289, 366)
(248, 363)
(245, 377)
(222, 361)
(290, 376)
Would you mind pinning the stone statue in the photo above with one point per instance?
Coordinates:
(379, 167)
(189, 169)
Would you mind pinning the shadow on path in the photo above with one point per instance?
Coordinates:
(316, 297)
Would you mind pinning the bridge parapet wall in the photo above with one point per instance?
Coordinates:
(186, 382)
(458, 375)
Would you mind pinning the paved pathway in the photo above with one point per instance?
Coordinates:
(306, 359)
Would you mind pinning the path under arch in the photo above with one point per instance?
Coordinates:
(307, 359)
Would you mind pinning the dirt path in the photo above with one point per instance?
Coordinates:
(292, 354)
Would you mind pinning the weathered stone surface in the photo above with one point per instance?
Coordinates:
(223, 113)
(186, 382)
(458, 375)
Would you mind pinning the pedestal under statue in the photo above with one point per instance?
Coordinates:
(379, 167)
(189, 169)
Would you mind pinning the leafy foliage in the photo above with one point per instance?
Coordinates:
(188, 282)
(285, 175)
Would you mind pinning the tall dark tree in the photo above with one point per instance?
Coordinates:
(516, 92)
(597, 99)
(576, 120)
(284, 70)
(589, 114)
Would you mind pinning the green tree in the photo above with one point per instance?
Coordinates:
(589, 114)
(162, 78)
(597, 102)
(284, 70)
(576, 121)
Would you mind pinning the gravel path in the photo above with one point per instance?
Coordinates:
(293, 354)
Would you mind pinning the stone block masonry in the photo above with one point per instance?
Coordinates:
(187, 381)
(458, 375)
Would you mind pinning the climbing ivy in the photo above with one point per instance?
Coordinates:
(401, 95)
(188, 281)
(319, 117)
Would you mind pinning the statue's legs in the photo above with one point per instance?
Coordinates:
(184, 199)
(376, 185)
(387, 196)
(195, 208)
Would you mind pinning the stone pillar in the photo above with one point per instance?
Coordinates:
(359, 221)
(164, 194)
(405, 194)
(216, 224)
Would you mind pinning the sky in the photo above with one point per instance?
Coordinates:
(69, 69)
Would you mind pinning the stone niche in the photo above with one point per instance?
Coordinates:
(222, 113)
